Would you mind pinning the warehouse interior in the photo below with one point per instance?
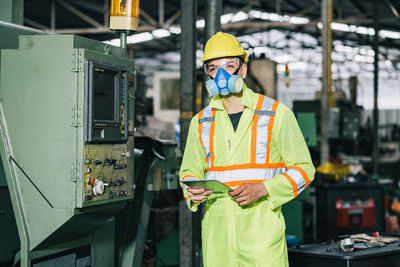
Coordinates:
(88, 181)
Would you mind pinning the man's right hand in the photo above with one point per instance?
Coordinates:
(198, 195)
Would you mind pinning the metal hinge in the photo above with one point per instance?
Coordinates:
(76, 166)
(76, 116)
(77, 60)
(73, 171)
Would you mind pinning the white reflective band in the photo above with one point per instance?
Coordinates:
(206, 120)
(244, 174)
(264, 112)
(297, 178)
(262, 129)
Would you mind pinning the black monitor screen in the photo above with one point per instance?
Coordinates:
(103, 94)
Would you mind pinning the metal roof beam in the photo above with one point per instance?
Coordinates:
(35, 24)
(393, 9)
(358, 7)
(80, 14)
(147, 17)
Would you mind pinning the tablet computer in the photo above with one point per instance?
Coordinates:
(214, 185)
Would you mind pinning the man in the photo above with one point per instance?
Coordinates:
(252, 144)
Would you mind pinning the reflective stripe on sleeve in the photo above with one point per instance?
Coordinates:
(184, 186)
(298, 178)
(303, 174)
(293, 183)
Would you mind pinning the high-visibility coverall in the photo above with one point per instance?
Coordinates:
(267, 147)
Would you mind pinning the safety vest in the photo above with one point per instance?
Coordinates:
(259, 168)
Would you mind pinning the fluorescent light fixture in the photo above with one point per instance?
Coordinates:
(389, 34)
(344, 48)
(161, 33)
(338, 57)
(226, 18)
(366, 52)
(361, 58)
(280, 68)
(298, 65)
(283, 58)
(175, 30)
(274, 17)
(340, 27)
(255, 14)
(200, 23)
(277, 17)
(365, 30)
(249, 39)
(139, 38)
(260, 49)
(298, 20)
(240, 16)
(114, 42)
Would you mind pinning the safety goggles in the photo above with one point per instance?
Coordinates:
(231, 65)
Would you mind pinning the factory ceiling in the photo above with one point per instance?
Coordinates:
(159, 22)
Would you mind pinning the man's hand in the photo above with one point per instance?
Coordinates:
(198, 195)
(249, 193)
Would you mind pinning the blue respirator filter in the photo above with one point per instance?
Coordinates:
(224, 83)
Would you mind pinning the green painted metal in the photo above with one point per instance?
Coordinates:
(8, 229)
(12, 11)
(134, 220)
(42, 103)
(169, 167)
(308, 125)
(293, 214)
(3, 181)
(168, 250)
(103, 244)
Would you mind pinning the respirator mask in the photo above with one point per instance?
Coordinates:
(224, 83)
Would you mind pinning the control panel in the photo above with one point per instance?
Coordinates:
(107, 172)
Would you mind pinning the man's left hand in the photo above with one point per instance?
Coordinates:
(249, 193)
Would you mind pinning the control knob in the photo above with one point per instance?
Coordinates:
(98, 188)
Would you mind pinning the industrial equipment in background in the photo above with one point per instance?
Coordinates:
(74, 190)
(349, 208)
(368, 252)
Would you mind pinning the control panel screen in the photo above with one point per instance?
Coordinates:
(103, 94)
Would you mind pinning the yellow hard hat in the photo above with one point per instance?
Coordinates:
(223, 45)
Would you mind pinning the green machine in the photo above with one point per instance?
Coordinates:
(66, 114)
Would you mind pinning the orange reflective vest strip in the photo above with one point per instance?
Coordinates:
(246, 166)
(254, 130)
(212, 130)
(270, 126)
(303, 173)
(239, 183)
(294, 185)
(200, 125)
(189, 176)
